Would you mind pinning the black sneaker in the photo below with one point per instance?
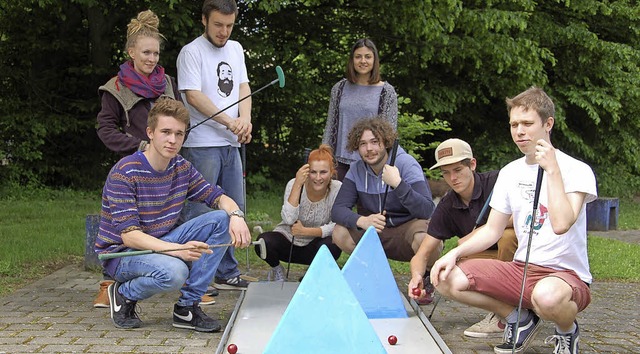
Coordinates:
(192, 317)
(211, 291)
(235, 283)
(526, 333)
(123, 311)
(565, 343)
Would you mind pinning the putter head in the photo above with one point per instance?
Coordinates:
(262, 247)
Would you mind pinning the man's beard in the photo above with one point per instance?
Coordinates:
(225, 86)
(206, 35)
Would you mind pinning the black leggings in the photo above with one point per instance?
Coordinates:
(278, 249)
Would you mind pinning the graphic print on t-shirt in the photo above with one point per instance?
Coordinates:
(225, 79)
(541, 215)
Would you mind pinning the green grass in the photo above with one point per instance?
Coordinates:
(629, 218)
(43, 230)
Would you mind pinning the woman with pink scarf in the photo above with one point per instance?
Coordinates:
(128, 97)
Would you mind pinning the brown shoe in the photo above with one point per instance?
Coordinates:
(102, 299)
(207, 300)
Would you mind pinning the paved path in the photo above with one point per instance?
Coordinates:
(54, 314)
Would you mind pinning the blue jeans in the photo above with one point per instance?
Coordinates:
(146, 275)
(220, 166)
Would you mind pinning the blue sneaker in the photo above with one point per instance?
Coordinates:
(526, 333)
(565, 343)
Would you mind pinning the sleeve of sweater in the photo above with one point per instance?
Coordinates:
(289, 213)
(327, 229)
(110, 119)
(413, 191)
(331, 127)
(390, 105)
(200, 190)
(347, 197)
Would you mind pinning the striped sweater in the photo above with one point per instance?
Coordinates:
(135, 196)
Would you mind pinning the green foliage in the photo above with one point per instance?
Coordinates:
(452, 63)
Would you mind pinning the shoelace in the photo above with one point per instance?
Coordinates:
(279, 274)
(134, 310)
(508, 334)
(488, 318)
(563, 343)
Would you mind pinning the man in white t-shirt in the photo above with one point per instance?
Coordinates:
(558, 275)
(212, 76)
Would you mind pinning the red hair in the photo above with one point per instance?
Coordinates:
(324, 153)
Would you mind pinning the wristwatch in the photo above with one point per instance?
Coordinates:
(238, 213)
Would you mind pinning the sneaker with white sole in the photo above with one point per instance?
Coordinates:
(123, 311)
(489, 326)
(207, 300)
(192, 317)
(526, 333)
(235, 283)
(211, 291)
(276, 273)
(565, 343)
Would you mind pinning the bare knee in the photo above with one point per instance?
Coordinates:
(551, 295)
(455, 282)
(342, 238)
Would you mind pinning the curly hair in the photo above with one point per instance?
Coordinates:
(380, 127)
(144, 25)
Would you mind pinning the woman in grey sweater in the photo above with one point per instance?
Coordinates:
(306, 215)
(361, 94)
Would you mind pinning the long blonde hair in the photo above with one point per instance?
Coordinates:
(144, 25)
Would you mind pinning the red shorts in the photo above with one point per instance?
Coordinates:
(503, 281)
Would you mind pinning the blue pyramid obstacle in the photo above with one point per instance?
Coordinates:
(324, 316)
(369, 275)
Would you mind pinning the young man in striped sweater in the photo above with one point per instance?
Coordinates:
(141, 203)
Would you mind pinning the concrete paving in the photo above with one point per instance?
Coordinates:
(55, 315)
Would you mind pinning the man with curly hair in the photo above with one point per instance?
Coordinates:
(402, 222)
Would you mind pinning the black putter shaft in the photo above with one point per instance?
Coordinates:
(279, 80)
(243, 160)
(305, 159)
(394, 153)
(105, 256)
(485, 207)
(536, 197)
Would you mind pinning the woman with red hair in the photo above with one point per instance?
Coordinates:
(306, 215)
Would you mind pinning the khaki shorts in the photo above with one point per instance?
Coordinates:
(503, 281)
(397, 241)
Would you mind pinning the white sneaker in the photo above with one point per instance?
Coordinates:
(490, 326)
(276, 273)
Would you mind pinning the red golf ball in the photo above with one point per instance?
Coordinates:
(416, 291)
(392, 339)
(232, 349)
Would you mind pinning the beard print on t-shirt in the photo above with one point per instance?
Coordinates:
(225, 79)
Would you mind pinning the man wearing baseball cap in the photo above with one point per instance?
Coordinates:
(458, 214)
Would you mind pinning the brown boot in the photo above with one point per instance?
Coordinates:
(102, 299)
(207, 300)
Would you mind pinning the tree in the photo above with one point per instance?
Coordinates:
(450, 61)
